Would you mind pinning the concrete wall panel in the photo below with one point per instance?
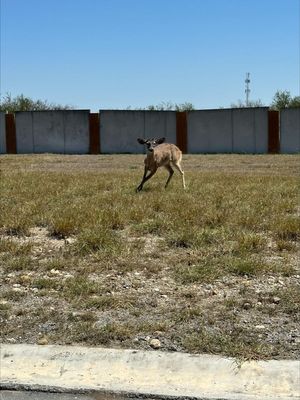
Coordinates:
(53, 132)
(2, 133)
(261, 130)
(209, 131)
(24, 132)
(290, 130)
(76, 128)
(160, 124)
(243, 128)
(250, 130)
(48, 132)
(119, 130)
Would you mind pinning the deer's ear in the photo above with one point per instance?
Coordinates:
(141, 141)
(160, 140)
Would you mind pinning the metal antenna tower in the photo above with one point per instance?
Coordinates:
(247, 90)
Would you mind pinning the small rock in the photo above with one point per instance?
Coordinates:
(54, 271)
(260, 327)
(246, 306)
(42, 341)
(276, 300)
(155, 344)
(69, 240)
(17, 289)
(12, 340)
(25, 278)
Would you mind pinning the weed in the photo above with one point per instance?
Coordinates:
(80, 287)
(87, 332)
(287, 228)
(100, 302)
(246, 266)
(20, 263)
(46, 283)
(14, 248)
(97, 239)
(13, 295)
(213, 341)
(203, 272)
(285, 245)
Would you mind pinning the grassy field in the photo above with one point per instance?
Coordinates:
(213, 269)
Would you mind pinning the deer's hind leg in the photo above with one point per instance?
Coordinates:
(178, 167)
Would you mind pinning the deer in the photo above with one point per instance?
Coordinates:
(160, 154)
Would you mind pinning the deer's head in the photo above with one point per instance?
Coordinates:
(151, 143)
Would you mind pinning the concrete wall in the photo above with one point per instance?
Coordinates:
(77, 132)
(228, 131)
(290, 130)
(119, 130)
(250, 130)
(236, 130)
(209, 131)
(2, 133)
(52, 132)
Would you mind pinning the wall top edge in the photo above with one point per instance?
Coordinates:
(129, 111)
(231, 109)
(196, 110)
(150, 111)
(51, 111)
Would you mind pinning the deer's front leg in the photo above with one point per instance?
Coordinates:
(145, 178)
(140, 187)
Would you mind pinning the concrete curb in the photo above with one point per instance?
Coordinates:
(156, 374)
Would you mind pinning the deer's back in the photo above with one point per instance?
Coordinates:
(163, 154)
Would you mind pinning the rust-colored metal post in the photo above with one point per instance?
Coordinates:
(273, 132)
(181, 130)
(10, 127)
(94, 133)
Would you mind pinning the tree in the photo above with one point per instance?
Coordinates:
(21, 103)
(169, 106)
(283, 99)
(251, 103)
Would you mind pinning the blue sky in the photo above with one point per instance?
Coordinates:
(99, 54)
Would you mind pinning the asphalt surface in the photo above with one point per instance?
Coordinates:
(16, 395)
(21, 395)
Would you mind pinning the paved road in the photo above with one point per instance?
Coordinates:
(16, 395)
(13, 395)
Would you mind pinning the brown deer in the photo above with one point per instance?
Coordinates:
(160, 154)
